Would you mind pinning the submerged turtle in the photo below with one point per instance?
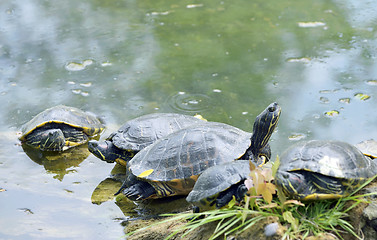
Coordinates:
(59, 128)
(311, 170)
(217, 185)
(172, 164)
(138, 133)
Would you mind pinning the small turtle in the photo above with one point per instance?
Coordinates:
(172, 164)
(311, 170)
(217, 185)
(59, 128)
(138, 133)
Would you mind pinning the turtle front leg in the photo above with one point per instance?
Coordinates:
(74, 137)
(47, 140)
(139, 191)
(238, 191)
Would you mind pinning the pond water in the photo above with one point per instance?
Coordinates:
(225, 60)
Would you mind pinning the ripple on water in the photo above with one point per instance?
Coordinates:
(189, 102)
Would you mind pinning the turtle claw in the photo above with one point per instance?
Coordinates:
(238, 191)
(123, 187)
(138, 191)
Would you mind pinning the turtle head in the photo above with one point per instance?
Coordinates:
(263, 128)
(292, 183)
(107, 151)
(46, 139)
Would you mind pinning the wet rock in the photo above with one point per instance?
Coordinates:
(258, 231)
(370, 221)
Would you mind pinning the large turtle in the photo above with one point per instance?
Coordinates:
(311, 170)
(172, 164)
(138, 133)
(217, 185)
(59, 128)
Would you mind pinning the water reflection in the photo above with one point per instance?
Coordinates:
(58, 163)
(145, 209)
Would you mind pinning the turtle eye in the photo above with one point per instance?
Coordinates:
(271, 109)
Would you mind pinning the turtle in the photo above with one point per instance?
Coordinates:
(323, 169)
(59, 128)
(172, 164)
(217, 185)
(138, 133)
(368, 147)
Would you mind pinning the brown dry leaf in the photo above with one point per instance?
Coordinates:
(252, 166)
(270, 205)
(293, 202)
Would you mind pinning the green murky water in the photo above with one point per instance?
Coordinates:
(226, 60)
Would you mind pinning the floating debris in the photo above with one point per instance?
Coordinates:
(88, 84)
(299, 60)
(311, 24)
(344, 100)
(216, 90)
(106, 64)
(74, 66)
(194, 5)
(362, 96)
(76, 91)
(326, 91)
(87, 62)
(372, 82)
(324, 100)
(26, 210)
(2, 189)
(68, 191)
(84, 94)
(160, 13)
(332, 113)
(296, 136)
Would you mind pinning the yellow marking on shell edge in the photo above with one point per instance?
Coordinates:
(146, 173)
(72, 144)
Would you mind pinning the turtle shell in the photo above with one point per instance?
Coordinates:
(61, 114)
(180, 157)
(316, 169)
(217, 179)
(331, 158)
(368, 147)
(140, 132)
